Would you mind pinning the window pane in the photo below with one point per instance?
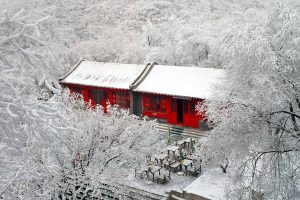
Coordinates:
(185, 106)
(105, 96)
(127, 100)
(76, 90)
(90, 94)
(157, 104)
(113, 100)
(163, 104)
(152, 103)
(98, 95)
(147, 103)
(173, 105)
(192, 108)
(122, 99)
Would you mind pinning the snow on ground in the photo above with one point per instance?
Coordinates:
(212, 184)
(177, 183)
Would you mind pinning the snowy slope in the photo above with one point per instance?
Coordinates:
(212, 184)
(171, 32)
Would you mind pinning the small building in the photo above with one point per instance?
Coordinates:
(100, 82)
(169, 93)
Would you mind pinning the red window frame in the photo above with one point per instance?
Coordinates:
(173, 105)
(122, 99)
(163, 104)
(155, 103)
(147, 103)
(192, 107)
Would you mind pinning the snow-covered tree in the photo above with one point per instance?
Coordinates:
(101, 148)
(29, 119)
(256, 111)
(51, 145)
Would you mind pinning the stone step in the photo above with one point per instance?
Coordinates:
(189, 132)
(175, 130)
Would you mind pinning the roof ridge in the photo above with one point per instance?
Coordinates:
(142, 76)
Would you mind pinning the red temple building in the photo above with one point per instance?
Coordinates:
(168, 93)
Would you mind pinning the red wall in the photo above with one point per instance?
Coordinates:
(190, 119)
(111, 94)
(160, 107)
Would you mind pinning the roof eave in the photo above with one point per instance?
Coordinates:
(60, 80)
(96, 86)
(173, 95)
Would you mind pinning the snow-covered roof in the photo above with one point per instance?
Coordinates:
(212, 184)
(193, 82)
(99, 74)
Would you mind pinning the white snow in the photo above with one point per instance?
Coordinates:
(212, 184)
(181, 81)
(99, 74)
(177, 183)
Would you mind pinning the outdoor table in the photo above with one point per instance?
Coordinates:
(162, 178)
(173, 149)
(186, 163)
(160, 157)
(168, 162)
(181, 142)
(153, 169)
(175, 166)
(188, 141)
(190, 156)
(144, 169)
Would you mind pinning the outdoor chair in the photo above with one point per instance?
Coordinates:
(168, 163)
(139, 173)
(161, 179)
(166, 173)
(151, 161)
(195, 169)
(175, 167)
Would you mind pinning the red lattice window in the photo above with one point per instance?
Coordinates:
(155, 103)
(163, 104)
(105, 97)
(173, 105)
(192, 107)
(113, 99)
(185, 107)
(123, 99)
(152, 103)
(147, 103)
(76, 90)
(90, 94)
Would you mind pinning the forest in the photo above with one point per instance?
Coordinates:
(52, 143)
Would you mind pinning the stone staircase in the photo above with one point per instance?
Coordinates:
(178, 131)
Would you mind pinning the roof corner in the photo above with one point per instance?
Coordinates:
(60, 80)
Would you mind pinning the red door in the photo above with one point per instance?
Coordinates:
(172, 111)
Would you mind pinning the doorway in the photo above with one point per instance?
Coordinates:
(179, 111)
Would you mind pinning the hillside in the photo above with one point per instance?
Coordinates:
(176, 32)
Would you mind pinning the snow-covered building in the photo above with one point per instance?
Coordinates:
(100, 82)
(169, 93)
